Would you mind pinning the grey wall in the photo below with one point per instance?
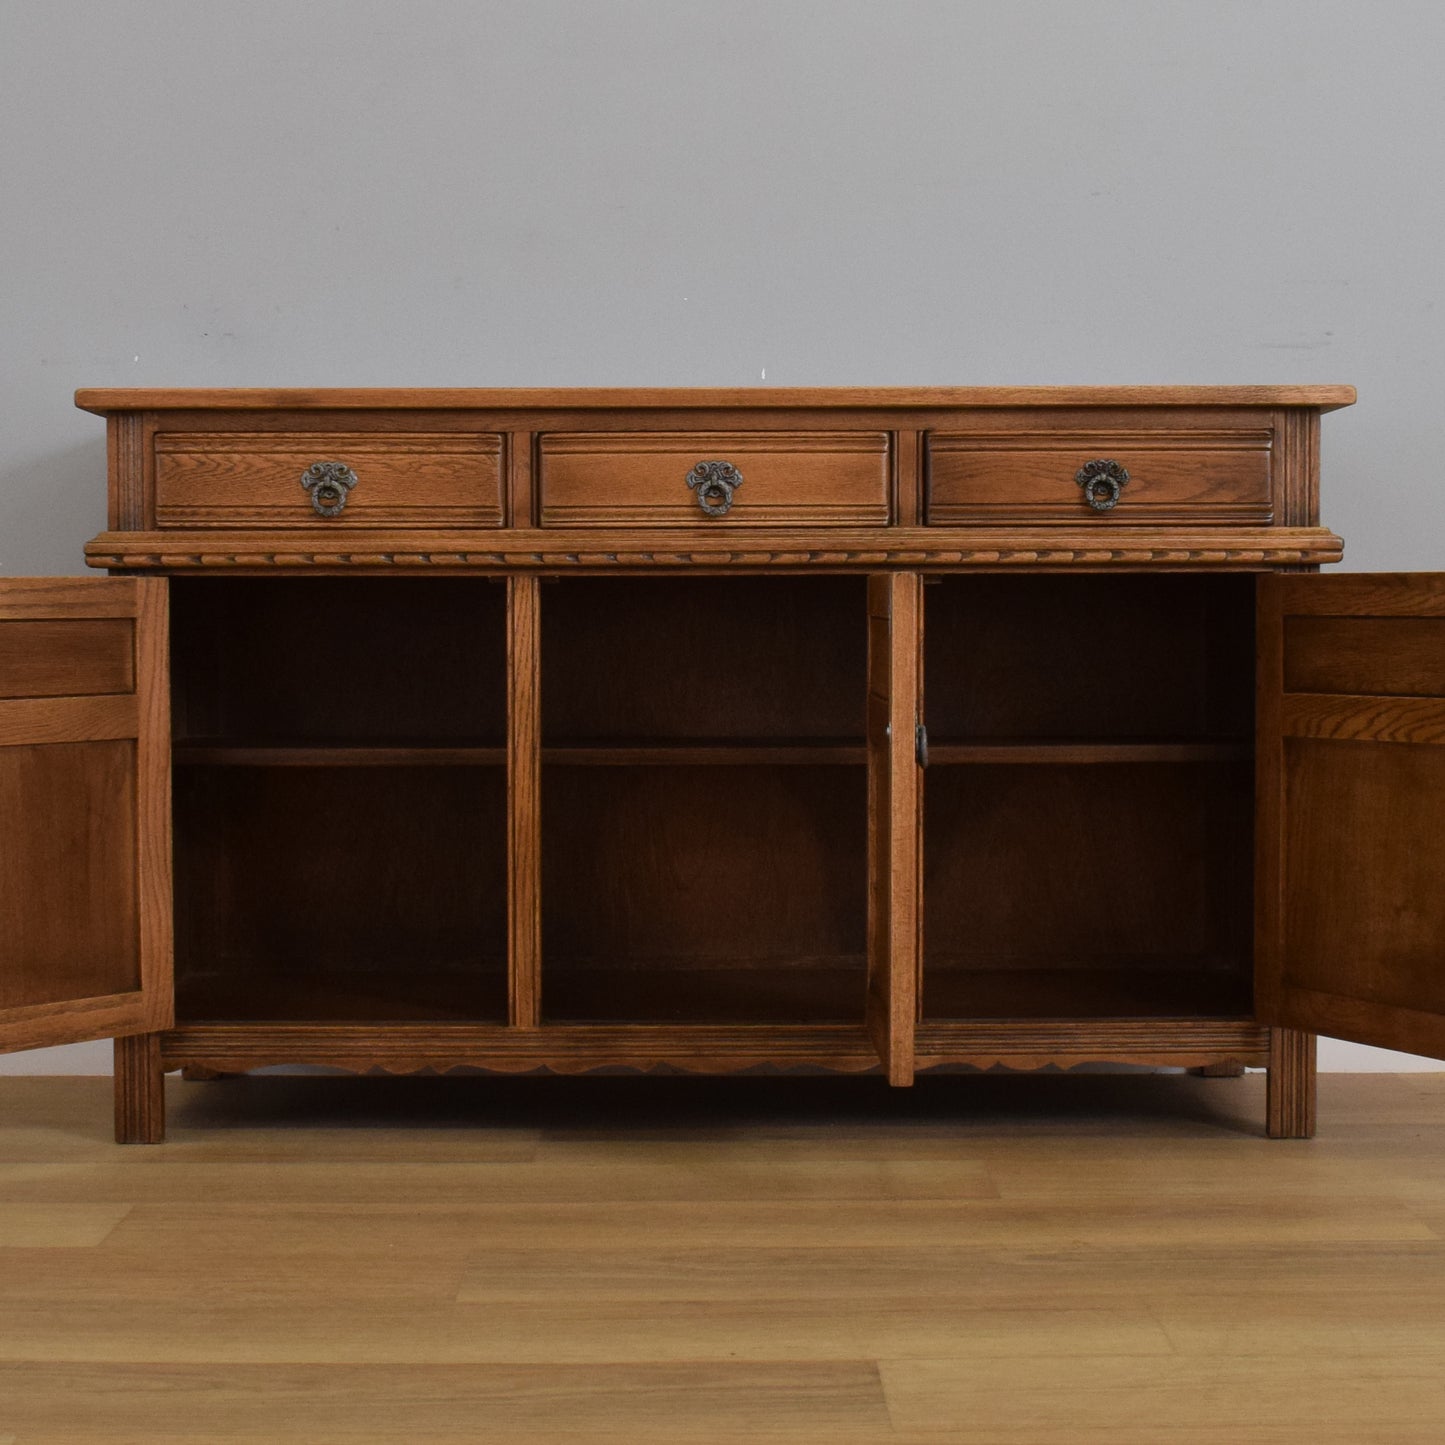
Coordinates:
(451, 192)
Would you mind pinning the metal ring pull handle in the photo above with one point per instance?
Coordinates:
(328, 484)
(1102, 482)
(715, 483)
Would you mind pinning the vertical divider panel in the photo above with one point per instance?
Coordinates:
(894, 619)
(156, 912)
(1269, 801)
(921, 760)
(524, 807)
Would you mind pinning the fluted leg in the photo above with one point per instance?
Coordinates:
(1291, 1089)
(140, 1094)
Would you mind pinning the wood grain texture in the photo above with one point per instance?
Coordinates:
(521, 479)
(239, 755)
(652, 661)
(1362, 594)
(109, 399)
(57, 1226)
(738, 754)
(1364, 846)
(1357, 925)
(909, 477)
(524, 803)
(402, 1048)
(1297, 444)
(1364, 719)
(704, 896)
(1403, 656)
(1191, 476)
(639, 479)
(221, 479)
(1058, 754)
(287, 661)
(66, 657)
(85, 883)
(1087, 891)
(140, 1100)
(704, 888)
(878, 1012)
(895, 682)
(1049, 1261)
(817, 550)
(561, 1048)
(68, 897)
(1293, 1085)
(1269, 807)
(1066, 1043)
(153, 796)
(383, 896)
(130, 462)
(45, 598)
(49, 720)
(1089, 658)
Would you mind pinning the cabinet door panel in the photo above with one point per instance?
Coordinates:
(894, 818)
(85, 891)
(1352, 798)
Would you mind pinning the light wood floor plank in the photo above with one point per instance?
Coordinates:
(137, 1331)
(57, 1225)
(419, 1402)
(1236, 1394)
(844, 1225)
(490, 1183)
(978, 1261)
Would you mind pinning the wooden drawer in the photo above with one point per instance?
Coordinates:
(1192, 475)
(402, 479)
(641, 479)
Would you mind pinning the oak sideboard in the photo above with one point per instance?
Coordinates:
(873, 730)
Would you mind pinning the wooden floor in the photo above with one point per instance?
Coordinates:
(1019, 1261)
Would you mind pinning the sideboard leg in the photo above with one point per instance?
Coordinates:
(1291, 1089)
(140, 1090)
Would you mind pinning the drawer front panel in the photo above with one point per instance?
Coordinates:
(1206, 477)
(219, 479)
(640, 479)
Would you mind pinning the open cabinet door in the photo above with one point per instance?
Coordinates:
(85, 869)
(894, 831)
(1352, 808)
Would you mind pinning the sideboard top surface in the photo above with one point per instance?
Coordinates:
(103, 400)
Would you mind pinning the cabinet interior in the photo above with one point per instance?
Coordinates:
(1088, 814)
(341, 801)
(338, 663)
(704, 809)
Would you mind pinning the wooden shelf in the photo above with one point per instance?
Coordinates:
(577, 755)
(1066, 751)
(1188, 990)
(725, 753)
(473, 991)
(814, 991)
(334, 755)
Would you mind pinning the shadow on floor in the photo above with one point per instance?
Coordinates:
(658, 1106)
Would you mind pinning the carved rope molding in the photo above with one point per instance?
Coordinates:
(127, 558)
